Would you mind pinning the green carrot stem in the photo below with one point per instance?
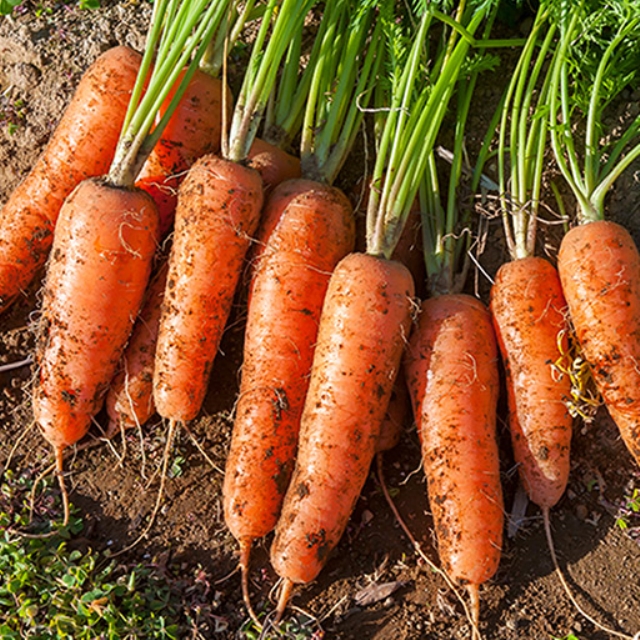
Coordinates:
(261, 74)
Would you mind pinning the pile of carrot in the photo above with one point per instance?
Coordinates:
(180, 165)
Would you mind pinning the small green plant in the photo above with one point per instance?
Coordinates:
(630, 507)
(7, 6)
(48, 589)
(568, 637)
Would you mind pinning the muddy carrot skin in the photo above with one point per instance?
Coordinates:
(96, 278)
(82, 145)
(315, 229)
(194, 130)
(452, 374)
(129, 401)
(599, 268)
(364, 326)
(529, 315)
(218, 211)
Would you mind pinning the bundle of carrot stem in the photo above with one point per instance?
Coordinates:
(105, 240)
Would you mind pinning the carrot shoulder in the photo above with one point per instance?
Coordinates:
(100, 264)
(529, 315)
(82, 145)
(218, 211)
(364, 324)
(452, 373)
(599, 268)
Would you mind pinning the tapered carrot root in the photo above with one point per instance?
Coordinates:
(529, 315)
(193, 131)
(314, 231)
(364, 324)
(452, 373)
(82, 145)
(129, 401)
(100, 263)
(599, 268)
(218, 212)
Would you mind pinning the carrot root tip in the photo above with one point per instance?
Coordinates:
(245, 551)
(283, 599)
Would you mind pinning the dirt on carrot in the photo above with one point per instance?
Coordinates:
(41, 59)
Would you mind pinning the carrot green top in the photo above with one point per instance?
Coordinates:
(344, 72)
(178, 36)
(523, 137)
(285, 20)
(597, 56)
(421, 89)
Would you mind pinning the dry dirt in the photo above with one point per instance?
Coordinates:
(41, 59)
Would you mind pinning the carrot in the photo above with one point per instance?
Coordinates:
(108, 236)
(273, 164)
(527, 303)
(599, 269)
(129, 401)
(528, 310)
(451, 368)
(82, 145)
(351, 368)
(218, 210)
(307, 228)
(598, 261)
(102, 252)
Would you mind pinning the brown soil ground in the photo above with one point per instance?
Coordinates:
(41, 59)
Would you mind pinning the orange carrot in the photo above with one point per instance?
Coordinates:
(528, 310)
(82, 145)
(193, 131)
(527, 302)
(599, 268)
(351, 381)
(452, 373)
(315, 230)
(107, 236)
(218, 210)
(129, 401)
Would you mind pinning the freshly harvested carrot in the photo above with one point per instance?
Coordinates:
(599, 269)
(218, 211)
(452, 374)
(598, 260)
(273, 164)
(527, 303)
(108, 235)
(129, 401)
(82, 145)
(529, 314)
(351, 381)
